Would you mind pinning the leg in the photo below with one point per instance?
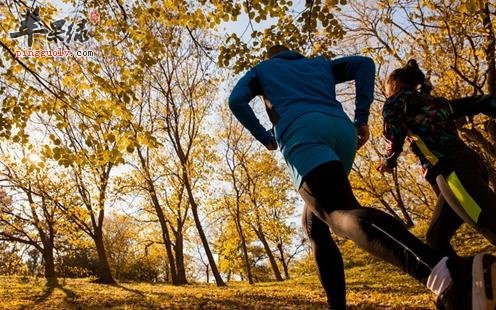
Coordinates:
(327, 187)
(381, 235)
(468, 194)
(328, 259)
(312, 139)
(442, 227)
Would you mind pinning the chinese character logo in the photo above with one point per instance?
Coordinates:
(80, 33)
(30, 26)
(56, 32)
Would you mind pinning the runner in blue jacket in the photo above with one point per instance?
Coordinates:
(318, 142)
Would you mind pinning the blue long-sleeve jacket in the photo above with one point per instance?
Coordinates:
(295, 85)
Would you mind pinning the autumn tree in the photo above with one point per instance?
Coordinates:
(82, 113)
(310, 26)
(271, 204)
(11, 262)
(131, 255)
(27, 216)
(91, 112)
(256, 196)
(85, 106)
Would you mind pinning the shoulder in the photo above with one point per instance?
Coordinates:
(320, 58)
(399, 98)
(262, 64)
(430, 101)
(396, 105)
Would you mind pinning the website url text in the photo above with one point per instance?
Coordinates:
(53, 53)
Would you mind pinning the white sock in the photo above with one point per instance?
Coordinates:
(439, 279)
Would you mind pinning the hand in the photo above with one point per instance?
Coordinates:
(363, 135)
(272, 146)
(384, 168)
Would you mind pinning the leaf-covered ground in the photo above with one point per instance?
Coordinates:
(370, 286)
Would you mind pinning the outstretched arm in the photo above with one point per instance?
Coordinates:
(362, 70)
(245, 90)
(468, 106)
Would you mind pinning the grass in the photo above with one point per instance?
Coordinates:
(370, 286)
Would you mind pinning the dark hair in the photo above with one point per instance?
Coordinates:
(276, 49)
(409, 76)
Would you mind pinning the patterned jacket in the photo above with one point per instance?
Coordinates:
(427, 122)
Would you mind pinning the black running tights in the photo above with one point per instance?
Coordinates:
(329, 202)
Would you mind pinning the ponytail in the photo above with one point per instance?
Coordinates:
(409, 76)
(414, 76)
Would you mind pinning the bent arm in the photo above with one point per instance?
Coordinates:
(362, 70)
(245, 90)
(394, 132)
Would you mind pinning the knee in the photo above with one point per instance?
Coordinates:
(346, 223)
(318, 233)
(314, 228)
(363, 224)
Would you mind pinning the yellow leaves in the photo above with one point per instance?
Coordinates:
(128, 142)
(427, 3)
(57, 153)
(47, 152)
(146, 139)
(8, 104)
(110, 137)
(295, 34)
(61, 125)
(471, 6)
(130, 148)
(55, 140)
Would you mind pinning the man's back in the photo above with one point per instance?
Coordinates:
(296, 85)
(289, 78)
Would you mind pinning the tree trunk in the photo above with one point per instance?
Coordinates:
(282, 259)
(49, 263)
(166, 237)
(161, 219)
(167, 273)
(179, 250)
(47, 253)
(201, 233)
(104, 272)
(270, 255)
(244, 249)
(208, 274)
(490, 49)
(46, 239)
